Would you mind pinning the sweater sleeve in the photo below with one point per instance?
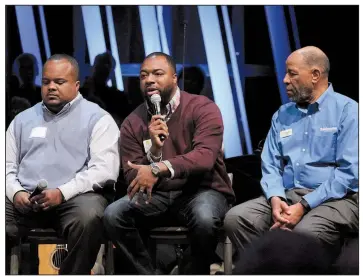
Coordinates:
(206, 144)
(131, 150)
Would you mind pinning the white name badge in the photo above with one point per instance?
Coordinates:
(285, 133)
(147, 145)
(38, 132)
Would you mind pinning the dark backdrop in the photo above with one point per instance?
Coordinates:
(334, 29)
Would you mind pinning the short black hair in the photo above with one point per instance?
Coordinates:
(70, 59)
(194, 79)
(104, 57)
(19, 60)
(25, 57)
(168, 58)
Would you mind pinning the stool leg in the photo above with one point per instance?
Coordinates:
(109, 259)
(227, 256)
(99, 267)
(152, 251)
(179, 257)
(34, 258)
(15, 259)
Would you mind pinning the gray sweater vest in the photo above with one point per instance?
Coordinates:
(54, 147)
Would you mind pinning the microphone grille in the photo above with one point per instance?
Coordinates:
(155, 98)
(43, 184)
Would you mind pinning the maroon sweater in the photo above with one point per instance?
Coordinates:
(193, 147)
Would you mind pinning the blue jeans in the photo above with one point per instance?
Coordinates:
(202, 212)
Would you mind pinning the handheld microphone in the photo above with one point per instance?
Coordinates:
(156, 100)
(42, 185)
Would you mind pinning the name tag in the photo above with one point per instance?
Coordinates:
(285, 133)
(38, 132)
(147, 145)
(328, 129)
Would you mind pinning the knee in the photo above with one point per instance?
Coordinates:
(310, 230)
(233, 220)
(205, 224)
(208, 222)
(89, 218)
(109, 217)
(307, 228)
(12, 231)
(114, 214)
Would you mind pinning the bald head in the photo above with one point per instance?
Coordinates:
(314, 57)
(306, 78)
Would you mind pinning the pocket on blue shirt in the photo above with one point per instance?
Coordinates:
(323, 145)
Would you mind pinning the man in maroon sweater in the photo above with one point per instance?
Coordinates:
(180, 180)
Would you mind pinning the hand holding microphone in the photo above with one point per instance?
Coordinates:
(158, 129)
(45, 199)
(42, 185)
(22, 199)
(156, 100)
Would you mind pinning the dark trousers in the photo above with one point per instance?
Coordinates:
(79, 220)
(202, 212)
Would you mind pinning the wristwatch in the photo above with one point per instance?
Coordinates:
(305, 204)
(155, 169)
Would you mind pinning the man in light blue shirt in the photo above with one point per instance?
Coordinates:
(309, 161)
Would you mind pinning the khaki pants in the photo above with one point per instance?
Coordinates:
(327, 222)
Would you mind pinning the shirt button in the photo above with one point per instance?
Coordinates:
(297, 164)
(309, 115)
(306, 133)
(303, 150)
(297, 182)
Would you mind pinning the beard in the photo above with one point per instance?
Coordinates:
(165, 95)
(301, 95)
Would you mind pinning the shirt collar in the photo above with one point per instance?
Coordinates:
(319, 102)
(174, 102)
(66, 106)
(323, 97)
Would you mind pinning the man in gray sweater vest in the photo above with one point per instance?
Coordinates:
(71, 144)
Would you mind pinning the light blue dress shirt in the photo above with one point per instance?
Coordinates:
(314, 148)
